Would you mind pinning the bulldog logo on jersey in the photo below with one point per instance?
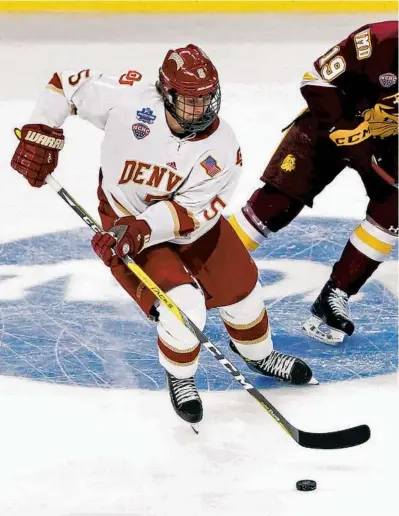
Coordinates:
(146, 115)
(388, 79)
(140, 131)
(289, 163)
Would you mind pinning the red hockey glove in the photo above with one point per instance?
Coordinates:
(127, 237)
(37, 153)
(102, 244)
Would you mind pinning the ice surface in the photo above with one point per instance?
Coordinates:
(72, 450)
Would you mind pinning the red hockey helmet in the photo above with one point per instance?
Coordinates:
(189, 84)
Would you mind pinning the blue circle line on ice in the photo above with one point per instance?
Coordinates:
(66, 320)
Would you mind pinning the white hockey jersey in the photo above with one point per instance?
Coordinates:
(178, 185)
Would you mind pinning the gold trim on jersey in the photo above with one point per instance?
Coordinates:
(250, 244)
(55, 89)
(121, 207)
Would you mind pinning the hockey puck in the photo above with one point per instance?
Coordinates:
(306, 485)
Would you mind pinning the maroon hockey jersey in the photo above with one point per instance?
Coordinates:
(352, 90)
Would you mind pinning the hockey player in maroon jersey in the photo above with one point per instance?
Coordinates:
(351, 120)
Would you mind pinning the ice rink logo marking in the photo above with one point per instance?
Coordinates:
(66, 320)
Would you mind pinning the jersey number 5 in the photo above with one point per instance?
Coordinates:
(74, 79)
(210, 214)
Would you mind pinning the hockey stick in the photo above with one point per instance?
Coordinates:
(381, 172)
(328, 440)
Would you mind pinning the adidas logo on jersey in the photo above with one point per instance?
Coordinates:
(45, 141)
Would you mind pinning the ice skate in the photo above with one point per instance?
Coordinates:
(278, 365)
(185, 399)
(330, 322)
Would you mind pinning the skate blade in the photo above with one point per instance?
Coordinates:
(312, 329)
(195, 427)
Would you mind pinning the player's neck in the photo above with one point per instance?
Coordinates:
(173, 124)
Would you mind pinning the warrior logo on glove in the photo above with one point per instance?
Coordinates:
(42, 139)
(37, 153)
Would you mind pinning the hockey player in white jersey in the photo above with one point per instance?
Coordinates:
(169, 165)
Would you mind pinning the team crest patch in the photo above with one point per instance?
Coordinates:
(289, 163)
(388, 79)
(146, 115)
(140, 131)
(210, 165)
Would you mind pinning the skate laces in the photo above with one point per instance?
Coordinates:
(184, 390)
(278, 364)
(338, 301)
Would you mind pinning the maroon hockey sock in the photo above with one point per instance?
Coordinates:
(352, 270)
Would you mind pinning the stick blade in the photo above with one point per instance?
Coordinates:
(334, 440)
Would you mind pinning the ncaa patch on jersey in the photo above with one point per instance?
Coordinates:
(140, 131)
(146, 115)
(387, 79)
(210, 165)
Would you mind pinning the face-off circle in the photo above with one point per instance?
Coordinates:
(306, 485)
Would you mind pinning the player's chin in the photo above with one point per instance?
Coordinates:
(194, 118)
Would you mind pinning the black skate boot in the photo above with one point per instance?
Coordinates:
(278, 365)
(185, 398)
(332, 309)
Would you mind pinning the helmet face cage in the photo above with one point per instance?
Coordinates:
(182, 110)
